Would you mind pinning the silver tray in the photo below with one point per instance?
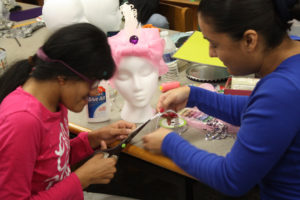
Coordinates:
(207, 73)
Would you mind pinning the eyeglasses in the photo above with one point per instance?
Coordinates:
(42, 55)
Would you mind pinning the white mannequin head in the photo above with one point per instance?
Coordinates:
(104, 14)
(136, 80)
(137, 53)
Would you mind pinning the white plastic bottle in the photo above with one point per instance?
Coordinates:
(169, 50)
(99, 106)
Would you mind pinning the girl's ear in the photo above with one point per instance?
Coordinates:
(250, 40)
(61, 80)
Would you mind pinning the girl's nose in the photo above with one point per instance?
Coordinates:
(137, 83)
(93, 92)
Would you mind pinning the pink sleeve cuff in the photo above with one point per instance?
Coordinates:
(84, 137)
(80, 148)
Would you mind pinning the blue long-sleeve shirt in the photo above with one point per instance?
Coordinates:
(267, 148)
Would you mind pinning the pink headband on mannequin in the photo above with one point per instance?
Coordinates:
(145, 43)
(136, 41)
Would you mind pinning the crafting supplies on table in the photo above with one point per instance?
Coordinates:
(215, 128)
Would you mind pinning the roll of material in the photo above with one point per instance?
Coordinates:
(179, 126)
(169, 85)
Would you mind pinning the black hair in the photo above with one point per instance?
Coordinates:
(145, 8)
(236, 16)
(82, 46)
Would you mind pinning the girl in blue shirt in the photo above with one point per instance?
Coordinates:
(249, 36)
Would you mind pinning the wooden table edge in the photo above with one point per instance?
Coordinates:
(140, 153)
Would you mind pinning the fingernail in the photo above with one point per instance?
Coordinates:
(161, 110)
(173, 115)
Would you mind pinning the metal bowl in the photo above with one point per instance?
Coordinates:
(207, 73)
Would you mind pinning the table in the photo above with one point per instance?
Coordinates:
(38, 2)
(28, 45)
(78, 121)
(182, 2)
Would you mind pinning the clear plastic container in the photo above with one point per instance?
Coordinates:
(3, 61)
(4, 13)
(169, 50)
(99, 106)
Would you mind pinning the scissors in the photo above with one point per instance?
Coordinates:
(116, 150)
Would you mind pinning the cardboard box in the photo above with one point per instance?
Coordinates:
(228, 89)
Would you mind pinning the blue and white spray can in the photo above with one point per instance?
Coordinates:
(99, 105)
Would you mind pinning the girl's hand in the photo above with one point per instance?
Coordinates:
(153, 141)
(111, 133)
(97, 170)
(175, 99)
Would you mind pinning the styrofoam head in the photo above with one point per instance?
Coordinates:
(104, 14)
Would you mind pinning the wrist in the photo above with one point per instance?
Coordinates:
(92, 140)
(84, 181)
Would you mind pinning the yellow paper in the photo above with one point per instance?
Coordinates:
(196, 49)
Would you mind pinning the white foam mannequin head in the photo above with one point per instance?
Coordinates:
(136, 80)
(104, 14)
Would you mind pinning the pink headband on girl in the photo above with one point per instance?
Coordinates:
(43, 56)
